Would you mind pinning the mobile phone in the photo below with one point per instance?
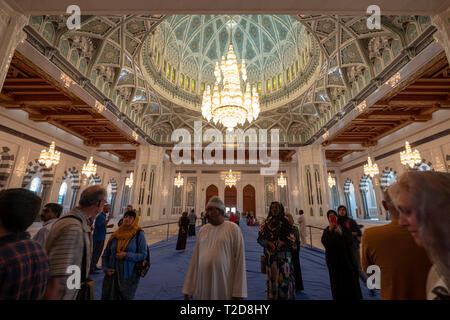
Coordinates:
(333, 220)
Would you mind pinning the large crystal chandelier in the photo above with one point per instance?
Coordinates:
(226, 103)
(50, 157)
(331, 181)
(409, 157)
(179, 181)
(129, 180)
(89, 169)
(230, 179)
(282, 181)
(370, 169)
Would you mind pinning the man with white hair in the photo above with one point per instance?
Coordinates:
(217, 268)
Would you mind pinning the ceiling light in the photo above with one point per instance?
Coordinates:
(409, 157)
(282, 181)
(179, 181)
(370, 169)
(89, 169)
(50, 157)
(226, 103)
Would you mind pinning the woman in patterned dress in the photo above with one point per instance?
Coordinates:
(276, 235)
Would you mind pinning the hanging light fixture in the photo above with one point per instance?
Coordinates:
(230, 179)
(129, 180)
(89, 169)
(226, 103)
(409, 157)
(179, 181)
(50, 157)
(282, 181)
(370, 169)
(331, 181)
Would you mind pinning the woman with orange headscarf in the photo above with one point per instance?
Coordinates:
(126, 246)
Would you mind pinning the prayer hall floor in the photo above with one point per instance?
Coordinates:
(165, 278)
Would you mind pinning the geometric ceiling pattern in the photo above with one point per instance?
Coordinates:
(117, 54)
(194, 43)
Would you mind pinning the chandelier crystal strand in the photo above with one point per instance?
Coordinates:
(227, 104)
(129, 180)
(409, 157)
(90, 168)
(370, 169)
(50, 157)
(179, 181)
(331, 181)
(282, 181)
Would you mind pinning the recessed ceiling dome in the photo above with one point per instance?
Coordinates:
(185, 48)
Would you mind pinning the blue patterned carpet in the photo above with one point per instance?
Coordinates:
(166, 276)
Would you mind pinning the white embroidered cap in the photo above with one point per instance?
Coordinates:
(216, 202)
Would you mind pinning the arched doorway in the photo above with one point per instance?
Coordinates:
(249, 203)
(211, 191)
(231, 198)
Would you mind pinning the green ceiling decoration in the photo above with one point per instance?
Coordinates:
(261, 40)
(323, 61)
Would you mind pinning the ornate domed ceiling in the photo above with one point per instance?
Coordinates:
(193, 44)
(308, 69)
(185, 48)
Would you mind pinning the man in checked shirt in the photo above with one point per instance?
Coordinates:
(24, 266)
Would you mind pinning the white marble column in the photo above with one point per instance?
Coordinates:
(11, 34)
(146, 157)
(313, 157)
(442, 36)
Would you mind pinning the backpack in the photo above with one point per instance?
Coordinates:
(143, 266)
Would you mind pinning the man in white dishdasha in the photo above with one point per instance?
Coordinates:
(217, 268)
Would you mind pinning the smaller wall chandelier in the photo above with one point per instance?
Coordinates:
(230, 179)
(409, 157)
(50, 157)
(179, 181)
(282, 181)
(89, 169)
(129, 180)
(331, 181)
(370, 169)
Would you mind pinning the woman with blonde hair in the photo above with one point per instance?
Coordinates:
(126, 246)
(423, 201)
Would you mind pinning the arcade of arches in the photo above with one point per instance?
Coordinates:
(118, 88)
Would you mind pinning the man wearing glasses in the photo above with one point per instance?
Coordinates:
(69, 244)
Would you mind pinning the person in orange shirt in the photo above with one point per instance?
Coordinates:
(404, 265)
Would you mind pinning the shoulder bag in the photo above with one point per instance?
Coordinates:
(143, 266)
